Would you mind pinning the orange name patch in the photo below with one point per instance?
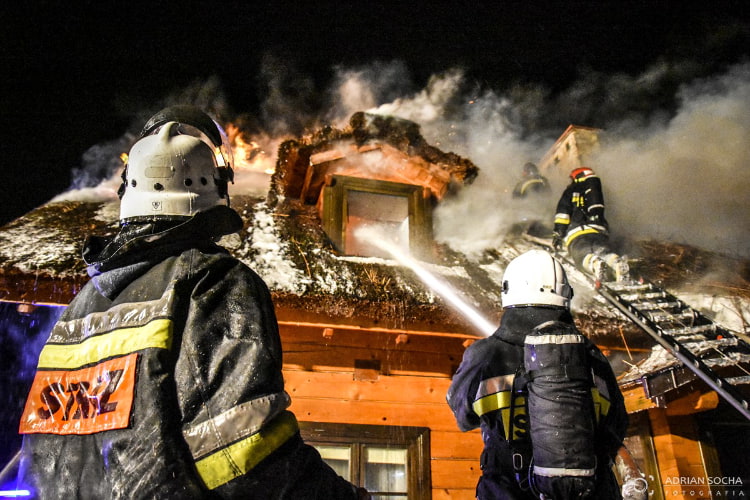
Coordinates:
(82, 401)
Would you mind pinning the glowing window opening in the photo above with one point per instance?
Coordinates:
(403, 211)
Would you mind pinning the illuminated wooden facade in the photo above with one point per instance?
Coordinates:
(369, 351)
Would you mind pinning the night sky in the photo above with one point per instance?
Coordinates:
(79, 73)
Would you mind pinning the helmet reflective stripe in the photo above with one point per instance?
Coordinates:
(170, 174)
(582, 173)
(535, 278)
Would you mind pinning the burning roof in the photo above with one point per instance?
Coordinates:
(391, 148)
(284, 239)
(286, 245)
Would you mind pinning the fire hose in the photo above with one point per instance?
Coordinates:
(9, 467)
(634, 485)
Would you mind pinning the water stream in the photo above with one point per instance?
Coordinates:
(440, 287)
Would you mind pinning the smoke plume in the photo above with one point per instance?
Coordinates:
(673, 149)
(673, 158)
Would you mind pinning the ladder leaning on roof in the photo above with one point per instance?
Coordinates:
(703, 346)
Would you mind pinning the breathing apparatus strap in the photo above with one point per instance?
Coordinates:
(573, 372)
(520, 448)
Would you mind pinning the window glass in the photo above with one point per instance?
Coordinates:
(392, 463)
(385, 472)
(387, 214)
(338, 457)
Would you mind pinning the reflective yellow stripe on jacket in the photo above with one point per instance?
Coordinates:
(120, 330)
(495, 394)
(240, 457)
(154, 334)
(601, 404)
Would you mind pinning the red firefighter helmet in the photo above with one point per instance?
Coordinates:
(581, 172)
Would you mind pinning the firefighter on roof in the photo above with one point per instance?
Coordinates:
(163, 379)
(490, 391)
(581, 228)
(531, 182)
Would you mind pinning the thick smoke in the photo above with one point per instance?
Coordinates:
(98, 176)
(674, 166)
(673, 155)
(687, 179)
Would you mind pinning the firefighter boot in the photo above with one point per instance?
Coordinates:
(619, 266)
(595, 265)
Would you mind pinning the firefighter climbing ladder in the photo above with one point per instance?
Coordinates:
(703, 346)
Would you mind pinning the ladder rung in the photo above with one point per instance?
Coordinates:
(629, 287)
(633, 297)
(669, 317)
(745, 379)
(690, 330)
(732, 358)
(651, 306)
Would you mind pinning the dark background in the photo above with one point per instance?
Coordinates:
(77, 73)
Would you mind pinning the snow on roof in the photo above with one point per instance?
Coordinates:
(287, 247)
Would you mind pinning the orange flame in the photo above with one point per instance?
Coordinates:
(248, 152)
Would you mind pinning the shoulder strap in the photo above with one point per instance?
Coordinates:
(553, 326)
(520, 448)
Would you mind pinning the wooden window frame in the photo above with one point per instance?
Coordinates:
(415, 439)
(335, 202)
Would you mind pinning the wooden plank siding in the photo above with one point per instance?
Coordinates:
(678, 452)
(397, 400)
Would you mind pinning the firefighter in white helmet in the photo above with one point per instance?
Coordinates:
(163, 379)
(492, 389)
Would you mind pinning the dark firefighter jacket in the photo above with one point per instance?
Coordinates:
(580, 210)
(163, 379)
(480, 394)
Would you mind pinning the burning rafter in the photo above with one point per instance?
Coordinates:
(374, 147)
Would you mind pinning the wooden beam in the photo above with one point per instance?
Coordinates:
(694, 402)
(636, 400)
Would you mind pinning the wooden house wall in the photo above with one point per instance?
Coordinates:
(680, 455)
(334, 397)
(572, 149)
(685, 456)
(408, 390)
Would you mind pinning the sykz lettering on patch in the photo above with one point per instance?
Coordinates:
(85, 401)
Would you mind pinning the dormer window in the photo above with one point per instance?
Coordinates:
(402, 212)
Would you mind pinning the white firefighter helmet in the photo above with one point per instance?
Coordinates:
(172, 173)
(197, 123)
(535, 278)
